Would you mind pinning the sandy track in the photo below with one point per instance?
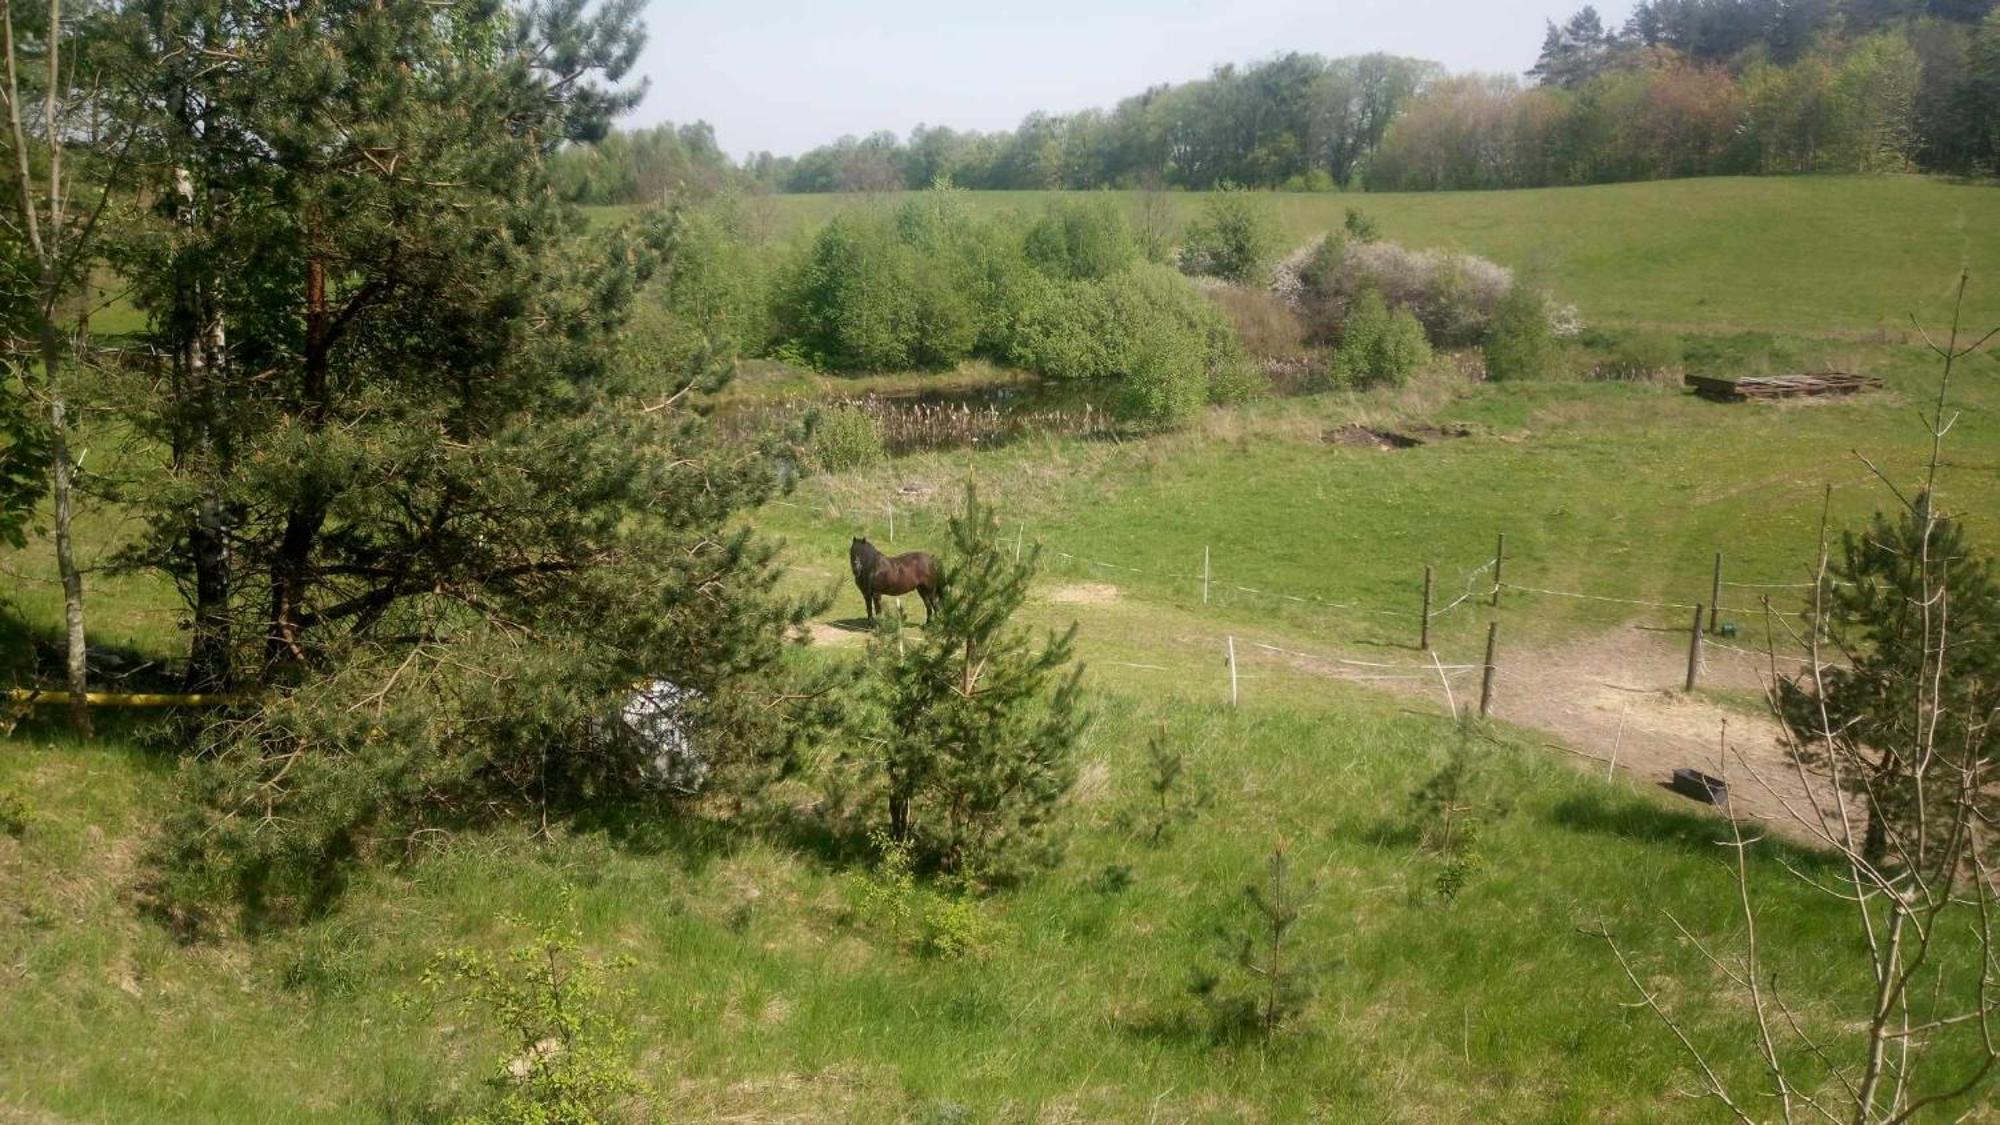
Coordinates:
(1613, 703)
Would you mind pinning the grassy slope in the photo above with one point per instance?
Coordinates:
(757, 994)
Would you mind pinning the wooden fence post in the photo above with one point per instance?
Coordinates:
(1499, 556)
(1715, 597)
(892, 521)
(1232, 671)
(1486, 677)
(1204, 574)
(1424, 635)
(1694, 648)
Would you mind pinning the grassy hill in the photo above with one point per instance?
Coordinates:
(764, 984)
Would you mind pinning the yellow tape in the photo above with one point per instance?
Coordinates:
(124, 699)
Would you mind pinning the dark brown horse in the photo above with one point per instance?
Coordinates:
(876, 574)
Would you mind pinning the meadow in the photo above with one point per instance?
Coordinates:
(762, 984)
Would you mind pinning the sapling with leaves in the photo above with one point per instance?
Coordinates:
(981, 723)
(557, 1014)
(1889, 730)
(1266, 979)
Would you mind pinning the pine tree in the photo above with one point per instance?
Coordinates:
(982, 725)
(1878, 616)
(461, 517)
(1274, 980)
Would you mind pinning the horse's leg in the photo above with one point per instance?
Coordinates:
(929, 594)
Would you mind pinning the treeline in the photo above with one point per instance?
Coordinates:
(1721, 87)
(1684, 88)
(1299, 121)
(644, 166)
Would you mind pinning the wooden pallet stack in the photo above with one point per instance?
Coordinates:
(1807, 385)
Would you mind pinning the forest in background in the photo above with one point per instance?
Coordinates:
(1683, 88)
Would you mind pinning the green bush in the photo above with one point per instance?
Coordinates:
(1519, 342)
(1146, 317)
(712, 297)
(878, 292)
(1360, 227)
(1168, 384)
(1234, 238)
(1071, 330)
(16, 814)
(1379, 347)
(842, 437)
(1084, 237)
(1642, 355)
(850, 301)
(564, 1060)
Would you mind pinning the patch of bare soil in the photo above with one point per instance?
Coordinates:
(1354, 435)
(1084, 593)
(1614, 703)
(825, 633)
(1615, 699)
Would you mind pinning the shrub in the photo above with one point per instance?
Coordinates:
(916, 917)
(564, 1063)
(16, 814)
(842, 437)
(1073, 330)
(1168, 384)
(1084, 237)
(850, 301)
(1519, 343)
(1360, 227)
(713, 294)
(1234, 238)
(1643, 355)
(1379, 347)
(1454, 296)
(1263, 324)
(1147, 325)
(876, 291)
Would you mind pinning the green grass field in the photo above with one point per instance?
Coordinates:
(761, 988)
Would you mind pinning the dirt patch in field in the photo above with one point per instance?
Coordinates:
(1354, 435)
(1614, 699)
(1612, 703)
(826, 633)
(1084, 593)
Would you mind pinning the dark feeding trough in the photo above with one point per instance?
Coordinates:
(1701, 787)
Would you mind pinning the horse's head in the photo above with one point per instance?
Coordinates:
(861, 552)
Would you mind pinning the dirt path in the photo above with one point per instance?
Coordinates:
(1613, 703)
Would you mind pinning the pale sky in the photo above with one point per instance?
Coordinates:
(786, 75)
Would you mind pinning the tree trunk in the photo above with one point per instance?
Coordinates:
(200, 359)
(78, 679)
(290, 571)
